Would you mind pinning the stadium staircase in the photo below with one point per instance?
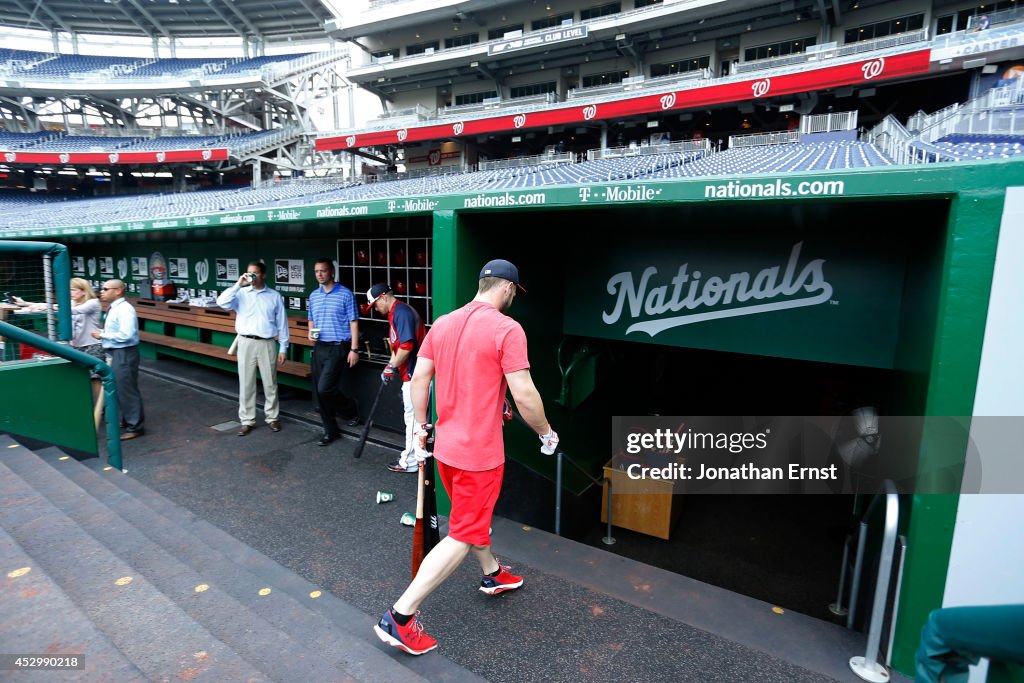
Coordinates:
(96, 563)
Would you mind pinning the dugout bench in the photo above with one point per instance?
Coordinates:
(204, 335)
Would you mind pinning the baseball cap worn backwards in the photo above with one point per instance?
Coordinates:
(503, 269)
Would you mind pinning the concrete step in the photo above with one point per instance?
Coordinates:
(356, 624)
(143, 623)
(288, 612)
(268, 648)
(28, 600)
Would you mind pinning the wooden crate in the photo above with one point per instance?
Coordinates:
(648, 506)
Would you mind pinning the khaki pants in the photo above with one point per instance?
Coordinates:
(256, 354)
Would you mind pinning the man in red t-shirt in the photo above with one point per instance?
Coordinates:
(405, 334)
(472, 355)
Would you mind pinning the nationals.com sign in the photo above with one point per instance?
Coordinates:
(878, 68)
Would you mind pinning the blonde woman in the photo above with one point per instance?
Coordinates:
(85, 317)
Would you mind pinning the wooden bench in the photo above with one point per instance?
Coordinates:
(216, 320)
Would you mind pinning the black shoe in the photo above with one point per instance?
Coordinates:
(355, 422)
(275, 426)
(326, 439)
(246, 430)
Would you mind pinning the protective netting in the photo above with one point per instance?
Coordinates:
(27, 300)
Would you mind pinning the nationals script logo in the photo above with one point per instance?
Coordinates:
(519, 121)
(113, 158)
(161, 156)
(686, 291)
(668, 101)
(589, 112)
(402, 135)
(207, 153)
(64, 158)
(457, 128)
(350, 140)
(10, 156)
(761, 87)
(873, 68)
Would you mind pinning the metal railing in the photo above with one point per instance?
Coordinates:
(829, 123)
(698, 147)
(784, 137)
(868, 667)
(57, 269)
(892, 139)
(564, 158)
(82, 360)
(560, 459)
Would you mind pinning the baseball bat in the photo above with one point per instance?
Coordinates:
(369, 422)
(419, 531)
(432, 535)
(234, 346)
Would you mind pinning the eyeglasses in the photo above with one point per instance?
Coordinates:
(109, 289)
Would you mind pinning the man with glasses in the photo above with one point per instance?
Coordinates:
(120, 339)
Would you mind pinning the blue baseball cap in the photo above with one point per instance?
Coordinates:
(506, 270)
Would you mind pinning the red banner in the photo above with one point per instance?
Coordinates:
(115, 158)
(855, 73)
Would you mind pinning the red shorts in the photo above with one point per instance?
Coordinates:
(473, 495)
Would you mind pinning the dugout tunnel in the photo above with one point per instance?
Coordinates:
(862, 336)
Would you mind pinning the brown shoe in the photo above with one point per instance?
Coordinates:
(244, 431)
(128, 436)
(274, 425)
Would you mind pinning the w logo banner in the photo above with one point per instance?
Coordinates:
(873, 68)
(350, 141)
(458, 128)
(668, 101)
(519, 121)
(589, 112)
(760, 88)
(402, 135)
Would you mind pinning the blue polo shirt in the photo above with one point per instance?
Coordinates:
(333, 312)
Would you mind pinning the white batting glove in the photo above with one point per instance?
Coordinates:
(549, 443)
(419, 449)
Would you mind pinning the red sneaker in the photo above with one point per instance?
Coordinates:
(410, 637)
(504, 581)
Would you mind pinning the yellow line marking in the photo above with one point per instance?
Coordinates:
(202, 588)
(107, 468)
(123, 581)
(64, 457)
(778, 610)
(315, 594)
(18, 572)
(264, 591)
(13, 445)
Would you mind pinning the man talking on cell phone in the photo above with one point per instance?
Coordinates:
(472, 355)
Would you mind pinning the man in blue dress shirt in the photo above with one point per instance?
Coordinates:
(260, 319)
(333, 312)
(120, 339)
